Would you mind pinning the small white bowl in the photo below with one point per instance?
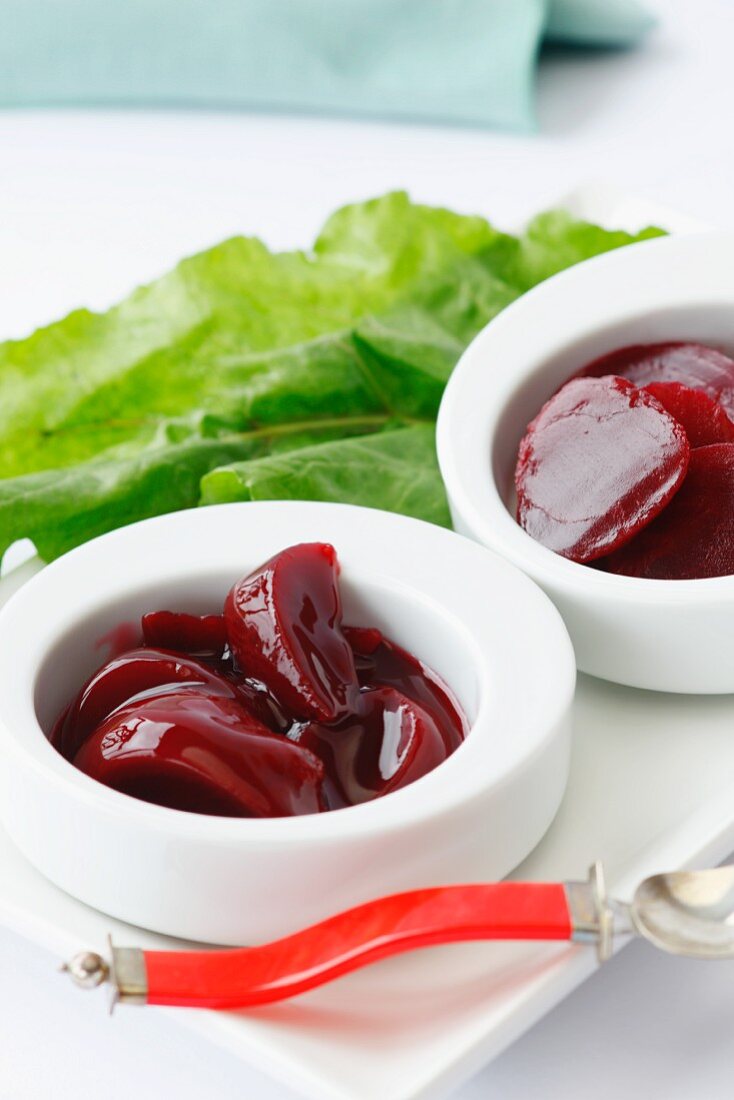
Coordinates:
(664, 635)
(482, 625)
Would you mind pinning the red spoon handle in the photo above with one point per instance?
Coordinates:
(421, 918)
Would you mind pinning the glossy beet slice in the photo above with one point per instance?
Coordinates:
(382, 663)
(704, 420)
(363, 640)
(284, 627)
(136, 673)
(694, 536)
(195, 634)
(390, 742)
(205, 754)
(597, 464)
(694, 365)
(261, 703)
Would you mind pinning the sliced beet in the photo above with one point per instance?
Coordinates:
(598, 463)
(195, 634)
(205, 754)
(385, 664)
(133, 674)
(703, 418)
(694, 536)
(389, 742)
(261, 702)
(694, 365)
(284, 628)
(363, 640)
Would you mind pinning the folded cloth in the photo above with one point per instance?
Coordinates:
(597, 22)
(466, 61)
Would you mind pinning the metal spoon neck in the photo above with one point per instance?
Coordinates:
(595, 917)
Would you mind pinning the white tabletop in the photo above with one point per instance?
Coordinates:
(149, 187)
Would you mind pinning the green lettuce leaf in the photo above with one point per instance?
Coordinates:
(554, 241)
(194, 338)
(244, 374)
(395, 470)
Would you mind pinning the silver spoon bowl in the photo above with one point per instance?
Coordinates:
(687, 912)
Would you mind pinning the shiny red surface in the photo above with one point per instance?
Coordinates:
(694, 365)
(194, 751)
(599, 462)
(195, 634)
(139, 673)
(603, 478)
(252, 976)
(283, 624)
(703, 419)
(271, 710)
(386, 744)
(380, 661)
(694, 536)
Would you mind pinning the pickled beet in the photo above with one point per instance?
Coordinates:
(694, 365)
(380, 661)
(283, 623)
(195, 634)
(703, 419)
(261, 702)
(389, 742)
(694, 536)
(272, 709)
(363, 640)
(193, 752)
(597, 464)
(132, 675)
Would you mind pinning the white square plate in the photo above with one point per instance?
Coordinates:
(651, 788)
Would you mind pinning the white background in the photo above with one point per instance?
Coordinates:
(91, 204)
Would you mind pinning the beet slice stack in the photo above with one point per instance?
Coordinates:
(703, 419)
(598, 463)
(694, 365)
(284, 624)
(694, 536)
(630, 466)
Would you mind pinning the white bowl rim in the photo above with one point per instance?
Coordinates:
(625, 284)
(457, 780)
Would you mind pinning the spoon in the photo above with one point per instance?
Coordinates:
(686, 913)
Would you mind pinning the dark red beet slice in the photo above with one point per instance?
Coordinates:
(261, 702)
(284, 627)
(693, 365)
(195, 634)
(194, 752)
(133, 674)
(703, 418)
(364, 640)
(387, 665)
(390, 742)
(598, 463)
(694, 536)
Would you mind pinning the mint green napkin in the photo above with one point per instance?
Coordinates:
(597, 22)
(466, 61)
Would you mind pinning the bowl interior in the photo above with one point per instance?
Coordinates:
(404, 615)
(712, 324)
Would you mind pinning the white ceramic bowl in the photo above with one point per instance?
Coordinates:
(491, 633)
(665, 635)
